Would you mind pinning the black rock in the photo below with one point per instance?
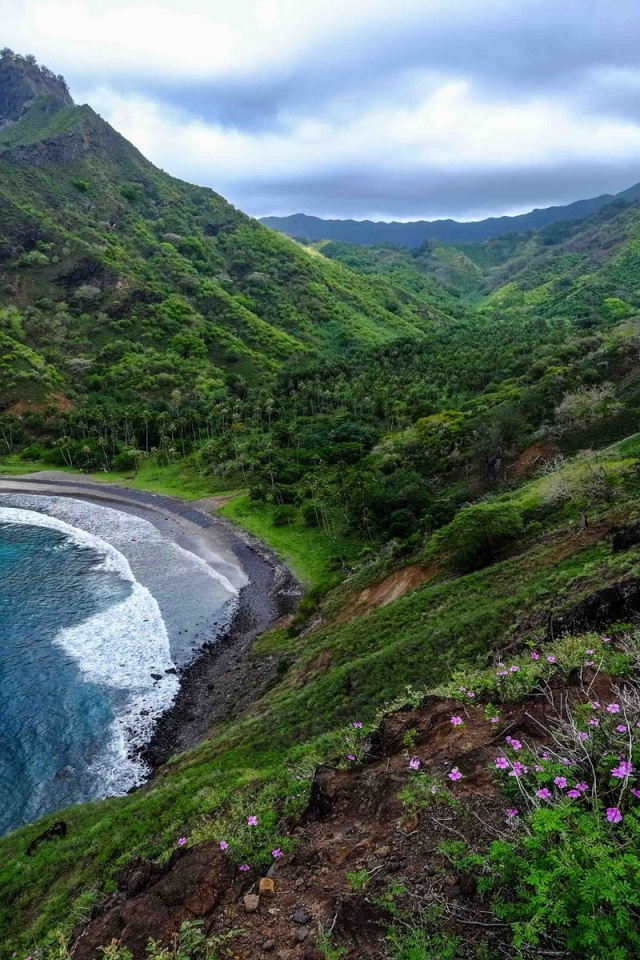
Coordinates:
(57, 831)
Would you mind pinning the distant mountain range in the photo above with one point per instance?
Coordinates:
(365, 232)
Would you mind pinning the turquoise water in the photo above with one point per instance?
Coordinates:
(98, 612)
(52, 720)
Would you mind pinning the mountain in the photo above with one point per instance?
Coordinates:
(364, 232)
(112, 271)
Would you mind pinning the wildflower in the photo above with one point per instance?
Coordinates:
(574, 794)
(544, 794)
(350, 756)
(551, 659)
(613, 708)
(545, 756)
(635, 792)
(244, 867)
(624, 769)
(495, 720)
(589, 663)
(518, 768)
(594, 722)
(252, 821)
(455, 774)
(561, 782)
(583, 736)
(224, 845)
(276, 853)
(471, 694)
(512, 812)
(502, 673)
(357, 725)
(538, 768)
(594, 705)
(589, 652)
(502, 763)
(582, 787)
(613, 815)
(456, 721)
(182, 841)
(414, 763)
(606, 639)
(565, 762)
(621, 728)
(535, 655)
(514, 668)
(515, 744)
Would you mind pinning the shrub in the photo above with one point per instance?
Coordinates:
(283, 515)
(477, 533)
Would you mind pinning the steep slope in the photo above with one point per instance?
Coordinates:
(364, 232)
(113, 271)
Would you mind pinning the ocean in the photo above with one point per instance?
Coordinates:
(98, 613)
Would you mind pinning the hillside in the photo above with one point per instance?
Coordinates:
(111, 271)
(414, 234)
(434, 757)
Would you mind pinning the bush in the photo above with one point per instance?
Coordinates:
(284, 515)
(477, 533)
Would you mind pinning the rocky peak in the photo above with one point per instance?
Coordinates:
(22, 80)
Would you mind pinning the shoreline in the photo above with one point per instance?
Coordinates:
(222, 680)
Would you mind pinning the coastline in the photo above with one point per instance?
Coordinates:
(223, 679)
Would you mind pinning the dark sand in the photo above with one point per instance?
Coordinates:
(224, 679)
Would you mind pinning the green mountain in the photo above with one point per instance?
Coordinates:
(414, 234)
(112, 271)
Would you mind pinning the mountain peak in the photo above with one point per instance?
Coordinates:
(22, 81)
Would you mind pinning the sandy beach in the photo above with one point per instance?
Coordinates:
(223, 680)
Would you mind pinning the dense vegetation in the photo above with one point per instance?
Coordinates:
(469, 410)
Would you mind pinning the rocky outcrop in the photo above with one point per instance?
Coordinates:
(21, 81)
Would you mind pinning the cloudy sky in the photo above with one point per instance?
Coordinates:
(382, 109)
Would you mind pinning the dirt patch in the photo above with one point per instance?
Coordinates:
(532, 459)
(387, 591)
(55, 402)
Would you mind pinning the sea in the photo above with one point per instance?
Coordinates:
(99, 612)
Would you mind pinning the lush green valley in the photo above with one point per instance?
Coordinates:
(442, 441)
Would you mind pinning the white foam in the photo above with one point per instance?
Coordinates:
(119, 648)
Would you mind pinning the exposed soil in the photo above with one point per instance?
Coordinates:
(387, 591)
(532, 459)
(355, 820)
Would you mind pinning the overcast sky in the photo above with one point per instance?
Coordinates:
(381, 109)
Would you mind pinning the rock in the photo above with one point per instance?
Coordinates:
(299, 883)
(273, 869)
(172, 670)
(301, 916)
(382, 851)
(56, 831)
(156, 676)
(274, 911)
(302, 934)
(267, 887)
(251, 902)
(268, 945)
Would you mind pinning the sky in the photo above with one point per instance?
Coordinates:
(370, 109)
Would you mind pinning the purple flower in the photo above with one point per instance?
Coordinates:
(471, 694)
(414, 763)
(635, 792)
(544, 794)
(455, 774)
(565, 762)
(244, 867)
(515, 744)
(545, 756)
(560, 782)
(589, 663)
(502, 763)
(613, 815)
(538, 768)
(551, 659)
(613, 708)
(276, 853)
(252, 821)
(518, 768)
(589, 652)
(512, 812)
(583, 736)
(574, 794)
(594, 722)
(582, 787)
(606, 639)
(594, 705)
(502, 673)
(456, 721)
(624, 769)
(357, 725)
(350, 756)
(535, 655)
(182, 841)
(514, 668)
(495, 720)
(224, 845)
(621, 728)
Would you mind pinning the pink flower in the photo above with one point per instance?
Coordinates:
(224, 845)
(182, 841)
(276, 853)
(502, 673)
(552, 659)
(613, 708)
(582, 787)
(350, 756)
(495, 720)
(594, 704)
(589, 663)
(502, 763)
(512, 812)
(535, 655)
(244, 867)
(471, 694)
(514, 668)
(574, 794)
(544, 794)
(538, 768)
(518, 768)
(545, 756)
(456, 721)
(621, 728)
(583, 736)
(594, 722)
(414, 763)
(589, 652)
(515, 744)
(624, 769)
(565, 762)
(635, 792)
(252, 821)
(560, 782)
(606, 639)
(357, 725)
(613, 815)
(455, 774)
